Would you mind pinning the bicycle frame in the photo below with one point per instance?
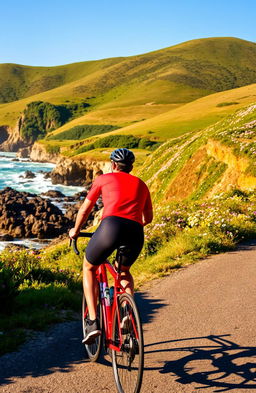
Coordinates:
(109, 309)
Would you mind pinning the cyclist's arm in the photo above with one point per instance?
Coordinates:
(81, 217)
(147, 215)
(86, 208)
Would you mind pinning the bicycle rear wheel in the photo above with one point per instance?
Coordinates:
(128, 363)
(93, 350)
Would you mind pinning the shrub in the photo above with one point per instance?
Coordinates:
(83, 131)
(128, 141)
(226, 104)
(41, 117)
(116, 141)
(53, 149)
(145, 143)
(9, 283)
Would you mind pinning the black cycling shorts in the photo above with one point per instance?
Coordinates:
(114, 232)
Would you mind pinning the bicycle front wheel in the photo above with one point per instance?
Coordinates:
(128, 363)
(93, 350)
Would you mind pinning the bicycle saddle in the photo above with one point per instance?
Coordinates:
(122, 251)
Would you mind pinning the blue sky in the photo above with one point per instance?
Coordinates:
(54, 32)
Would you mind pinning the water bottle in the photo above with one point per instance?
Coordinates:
(107, 296)
(111, 295)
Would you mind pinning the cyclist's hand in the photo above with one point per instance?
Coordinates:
(73, 233)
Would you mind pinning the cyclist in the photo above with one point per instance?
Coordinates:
(127, 208)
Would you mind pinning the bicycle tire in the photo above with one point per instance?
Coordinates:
(128, 364)
(93, 350)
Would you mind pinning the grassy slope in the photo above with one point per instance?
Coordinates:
(19, 81)
(190, 117)
(206, 162)
(174, 75)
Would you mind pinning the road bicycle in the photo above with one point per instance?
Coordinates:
(122, 335)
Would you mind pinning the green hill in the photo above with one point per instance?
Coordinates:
(190, 117)
(20, 81)
(171, 76)
(205, 163)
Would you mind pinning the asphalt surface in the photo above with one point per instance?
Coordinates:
(199, 329)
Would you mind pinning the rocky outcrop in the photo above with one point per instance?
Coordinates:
(38, 153)
(71, 172)
(4, 133)
(77, 172)
(235, 175)
(53, 194)
(24, 215)
(29, 175)
(24, 152)
(14, 142)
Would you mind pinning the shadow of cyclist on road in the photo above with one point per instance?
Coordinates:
(223, 364)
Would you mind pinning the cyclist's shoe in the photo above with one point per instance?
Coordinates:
(91, 331)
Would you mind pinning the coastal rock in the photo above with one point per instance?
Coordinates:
(53, 194)
(24, 152)
(29, 175)
(38, 153)
(28, 215)
(70, 172)
(6, 238)
(77, 172)
(14, 141)
(3, 134)
(72, 211)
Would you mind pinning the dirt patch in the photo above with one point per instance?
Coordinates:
(188, 178)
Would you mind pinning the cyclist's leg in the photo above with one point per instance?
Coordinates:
(90, 288)
(132, 237)
(101, 245)
(127, 280)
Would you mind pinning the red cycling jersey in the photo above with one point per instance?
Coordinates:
(123, 195)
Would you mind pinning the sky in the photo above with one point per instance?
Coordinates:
(55, 32)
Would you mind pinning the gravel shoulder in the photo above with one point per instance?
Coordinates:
(199, 327)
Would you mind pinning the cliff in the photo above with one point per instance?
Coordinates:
(211, 161)
(78, 172)
(11, 139)
(39, 153)
(71, 172)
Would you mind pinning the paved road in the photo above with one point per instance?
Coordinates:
(199, 326)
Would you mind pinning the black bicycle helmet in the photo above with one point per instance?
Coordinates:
(123, 156)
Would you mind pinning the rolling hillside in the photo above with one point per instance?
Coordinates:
(177, 121)
(171, 76)
(180, 94)
(205, 163)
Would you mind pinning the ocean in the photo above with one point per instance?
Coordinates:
(12, 175)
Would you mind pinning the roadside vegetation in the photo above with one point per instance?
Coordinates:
(34, 292)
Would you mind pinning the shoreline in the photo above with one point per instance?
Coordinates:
(12, 175)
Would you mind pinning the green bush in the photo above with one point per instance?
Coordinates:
(226, 104)
(145, 143)
(21, 269)
(41, 117)
(53, 149)
(128, 141)
(10, 280)
(83, 131)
